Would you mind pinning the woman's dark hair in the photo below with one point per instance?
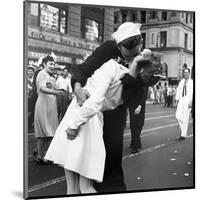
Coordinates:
(46, 59)
(155, 60)
(146, 69)
(131, 42)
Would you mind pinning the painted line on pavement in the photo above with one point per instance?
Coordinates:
(151, 149)
(156, 128)
(150, 113)
(153, 129)
(152, 118)
(159, 117)
(46, 184)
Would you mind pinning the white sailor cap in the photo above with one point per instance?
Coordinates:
(126, 30)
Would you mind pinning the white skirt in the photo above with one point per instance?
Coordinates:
(85, 154)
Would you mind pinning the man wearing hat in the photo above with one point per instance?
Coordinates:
(126, 44)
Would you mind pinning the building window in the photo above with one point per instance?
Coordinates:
(63, 21)
(91, 30)
(152, 15)
(116, 17)
(143, 16)
(183, 15)
(92, 20)
(187, 17)
(186, 41)
(134, 16)
(124, 16)
(34, 14)
(53, 18)
(163, 38)
(144, 39)
(152, 38)
(191, 18)
(164, 16)
(190, 42)
(49, 17)
(173, 14)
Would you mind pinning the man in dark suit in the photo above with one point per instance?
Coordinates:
(126, 45)
(136, 107)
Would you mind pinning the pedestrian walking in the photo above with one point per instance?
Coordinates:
(165, 94)
(152, 94)
(169, 96)
(174, 95)
(184, 96)
(157, 94)
(46, 119)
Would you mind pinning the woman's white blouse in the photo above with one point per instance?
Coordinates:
(105, 90)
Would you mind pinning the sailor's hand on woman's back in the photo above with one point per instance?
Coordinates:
(71, 133)
(81, 94)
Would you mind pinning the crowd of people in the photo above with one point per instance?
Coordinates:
(79, 121)
(162, 94)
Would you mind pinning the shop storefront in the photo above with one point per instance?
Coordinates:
(70, 32)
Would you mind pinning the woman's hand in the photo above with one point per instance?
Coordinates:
(144, 55)
(81, 94)
(71, 133)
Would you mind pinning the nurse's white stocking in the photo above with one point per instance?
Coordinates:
(72, 180)
(86, 185)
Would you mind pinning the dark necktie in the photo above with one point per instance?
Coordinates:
(184, 93)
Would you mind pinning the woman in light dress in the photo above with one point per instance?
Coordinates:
(45, 120)
(78, 142)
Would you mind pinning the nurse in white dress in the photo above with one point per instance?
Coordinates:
(183, 97)
(83, 158)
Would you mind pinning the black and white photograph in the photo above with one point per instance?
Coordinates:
(109, 99)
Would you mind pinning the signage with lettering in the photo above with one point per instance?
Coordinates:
(49, 17)
(37, 55)
(34, 32)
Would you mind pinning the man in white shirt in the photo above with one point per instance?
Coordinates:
(63, 83)
(183, 98)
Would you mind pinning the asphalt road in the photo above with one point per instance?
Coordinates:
(163, 162)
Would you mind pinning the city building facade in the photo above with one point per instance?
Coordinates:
(167, 32)
(70, 31)
(73, 31)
